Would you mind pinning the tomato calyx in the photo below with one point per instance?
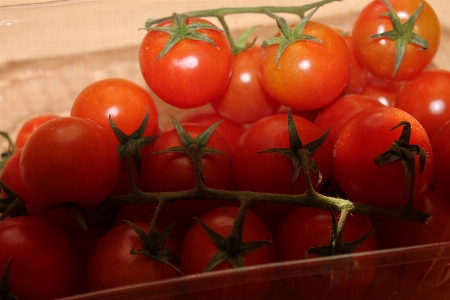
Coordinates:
(10, 150)
(194, 148)
(180, 31)
(232, 248)
(131, 144)
(402, 34)
(403, 151)
(337, 245)
(300, 155)
(5, 291)
(153, 244)
(288, 35)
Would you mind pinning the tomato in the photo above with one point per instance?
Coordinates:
(385, 91)
(111, 264)
(42, 258)
(245, 101)
(29, 126)
(34, 206)
(335, 114)
(305, 228)
(198, 249)
(441, 148)
(427, 99)
(364, 137)
(193, 72)
(70, 159)
(358, 73)
(174, 171)
(309, 74)
(125, 101)
(229, 130)
(378, 54)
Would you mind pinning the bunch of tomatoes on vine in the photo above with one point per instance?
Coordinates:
(316, 142)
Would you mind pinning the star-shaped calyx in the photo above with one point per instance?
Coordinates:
(402, 34)
(298, 153)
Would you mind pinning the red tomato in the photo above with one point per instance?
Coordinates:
(190, 74)
(230, 131)
(29, 126)
(335, 114)
(111, 264)
(42, 258)
(358, 73)
(427, 99)
(34, 206)
(174, 171)
(363, 138)
(305, 228)
(309, 74)
(385, 91)
(441, 148)
(198, 249)
(125, 101)
(378, 54)
(70, 159)
(245, 101)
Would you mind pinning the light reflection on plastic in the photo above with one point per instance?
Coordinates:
(305, 64)
(437, 106)
(245, 77)
(189, 62)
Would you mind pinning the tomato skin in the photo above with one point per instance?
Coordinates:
(126, 102)
(358, 74)
(427, 99)
(70, 159)
(309, 74)
(335, 114)
(385, 91)
(378, 55)
(197, 249)
(441, 148)
(364, 137)
(42, 258)
(111, 264)
(192, 73)
(174, 171)
(29, 126)
(306, 227)
(245, 101)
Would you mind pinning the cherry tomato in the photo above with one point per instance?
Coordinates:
(125, 101)
(358, 73)
(440, 144)
(42, 258)
(198, 249)
(363, 138)
(111, 264)
(193, 72)
(305, 228)
(378, 54)
(385, 91)
(70, 159)
(245, 101)
(427, 99)
(309, 74)
(29, 126)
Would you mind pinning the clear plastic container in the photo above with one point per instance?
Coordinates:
(51, 50)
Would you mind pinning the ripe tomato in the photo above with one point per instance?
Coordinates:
(198, 249)
(125, 101)
(229, 130)
(305, 228)
(70, 159)
(385, 91)
(427, 99)
(111, 264)
(245, 101)
(358, 73)
(193, 72)
(42, 258)
(309, 74)
(363, 138)
(378, 54)
(335, 114)
(29, 126)
(441, 148)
